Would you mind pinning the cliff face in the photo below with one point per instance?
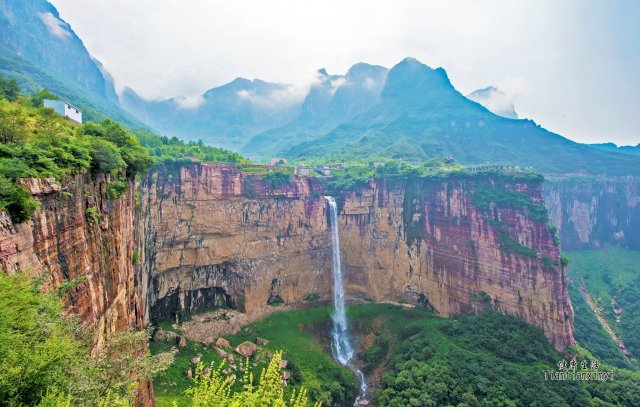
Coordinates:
(589, 212)
(427, 242)
(79, 232)
(209, 235)
(215, 235)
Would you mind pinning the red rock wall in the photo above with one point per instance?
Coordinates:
(590, 213)
(64, 241)
(214, 226)
(427, 242)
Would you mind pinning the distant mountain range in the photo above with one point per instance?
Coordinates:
(410, 112)
(332, 100)
(226, 116)
(631, 150)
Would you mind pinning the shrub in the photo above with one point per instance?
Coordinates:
(9, 89)
(564, 260)
(16, 201)
(91, 213)
(38, 97)
(277, 178)
(116, 188)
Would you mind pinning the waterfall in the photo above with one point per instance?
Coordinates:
(341, 344)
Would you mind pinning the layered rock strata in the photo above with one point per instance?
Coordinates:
(214, 235)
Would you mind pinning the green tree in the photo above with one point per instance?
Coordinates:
(137, 159)
(17, 201)
(37, 98)
(12, 123)
(9, 89)
(105, 156)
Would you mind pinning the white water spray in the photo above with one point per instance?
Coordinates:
(341, 344)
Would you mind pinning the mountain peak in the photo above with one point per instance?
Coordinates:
(364, 70)
(239, 82)
(411, 78)
(410, 62)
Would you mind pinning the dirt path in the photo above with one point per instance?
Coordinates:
(596, 310)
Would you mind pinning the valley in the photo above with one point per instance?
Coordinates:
(372, 238)
(403, 348)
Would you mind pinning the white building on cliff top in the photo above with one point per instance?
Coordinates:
(64, 109)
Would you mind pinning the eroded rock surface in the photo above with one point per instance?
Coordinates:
(215, 235)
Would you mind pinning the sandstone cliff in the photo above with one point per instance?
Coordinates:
(215, 235)
(590, 212)
(203, 235)
(80, 233)
(427, 242)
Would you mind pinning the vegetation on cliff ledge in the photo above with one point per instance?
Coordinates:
(356, 176)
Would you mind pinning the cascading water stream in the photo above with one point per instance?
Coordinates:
(341, 344)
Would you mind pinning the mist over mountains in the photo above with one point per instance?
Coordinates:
(495, 100)
(409, 112)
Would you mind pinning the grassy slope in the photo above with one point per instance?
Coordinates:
(611, 272)
(293, 332)
(486, 357)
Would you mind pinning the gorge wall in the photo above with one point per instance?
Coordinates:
(213, 235)
(78, 232)
(193, 236)
(216, 235)
(590, 212)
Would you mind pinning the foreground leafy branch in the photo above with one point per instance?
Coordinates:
(212, 388)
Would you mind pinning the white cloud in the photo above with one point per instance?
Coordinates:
(285, 97)
(573, 57)
(189, 102)
(370, 83)
(338, 82)
(55, 26)
(502, 98)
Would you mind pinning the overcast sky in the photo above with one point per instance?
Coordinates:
(572, 66)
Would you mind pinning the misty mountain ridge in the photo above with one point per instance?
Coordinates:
(258, 117)
(224, 116)
(421, 115)
(410, 112)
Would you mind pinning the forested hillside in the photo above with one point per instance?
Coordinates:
(36, 142)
